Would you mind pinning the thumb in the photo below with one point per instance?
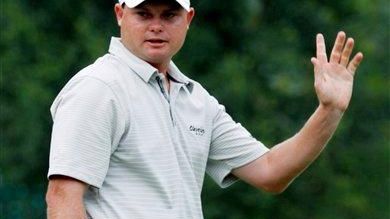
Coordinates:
(314, 61)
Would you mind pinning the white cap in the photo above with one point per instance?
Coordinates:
(133, 3)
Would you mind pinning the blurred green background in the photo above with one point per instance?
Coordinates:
(253, 55)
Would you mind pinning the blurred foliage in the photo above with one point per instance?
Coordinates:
(253, 55)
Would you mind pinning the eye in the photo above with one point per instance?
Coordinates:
(143, 14)
(169, 15)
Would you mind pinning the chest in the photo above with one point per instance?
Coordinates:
(171, 131)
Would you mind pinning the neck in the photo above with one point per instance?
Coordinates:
(161, 67)
(163, 70)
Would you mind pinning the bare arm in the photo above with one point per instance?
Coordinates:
(275, 170)
(64, 198)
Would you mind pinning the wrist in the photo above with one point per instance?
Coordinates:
(330, 110)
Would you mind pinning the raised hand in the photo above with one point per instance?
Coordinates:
(333, 79)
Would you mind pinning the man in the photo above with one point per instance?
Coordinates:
(133, 136)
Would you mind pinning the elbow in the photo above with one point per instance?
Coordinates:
(57, 193)
(274, 188)
(52, 197)
(64, 197)
(273, 185)
(51, 201)
(274, 181)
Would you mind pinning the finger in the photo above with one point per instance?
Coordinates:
(338, 47)
(321, 50)
(347, 52)
(354, 64)
(314, 61)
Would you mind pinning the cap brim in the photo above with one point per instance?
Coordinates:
(135, 3)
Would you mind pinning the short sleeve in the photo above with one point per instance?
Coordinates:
(232, 146)
(87, 126)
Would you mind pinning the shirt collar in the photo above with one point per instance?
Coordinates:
(144, 69)
(179, 77)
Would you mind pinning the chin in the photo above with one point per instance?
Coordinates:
(158, 59)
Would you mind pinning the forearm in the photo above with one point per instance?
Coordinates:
(289, 158)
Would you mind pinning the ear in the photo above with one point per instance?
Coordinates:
(190, 16)
(118, 13)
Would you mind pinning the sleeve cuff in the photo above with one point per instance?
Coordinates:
(72, 172)
(225, 178)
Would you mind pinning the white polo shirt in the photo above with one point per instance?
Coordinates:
(143, 152)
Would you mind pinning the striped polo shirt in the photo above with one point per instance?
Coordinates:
(144, 151)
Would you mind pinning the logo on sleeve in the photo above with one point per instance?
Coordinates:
(196, 130)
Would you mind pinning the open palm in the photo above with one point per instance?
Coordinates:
(333, 79)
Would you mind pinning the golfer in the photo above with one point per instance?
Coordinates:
(133, 136)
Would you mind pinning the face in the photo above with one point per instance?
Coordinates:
(154, 30)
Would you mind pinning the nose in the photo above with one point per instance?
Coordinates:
(156, 26)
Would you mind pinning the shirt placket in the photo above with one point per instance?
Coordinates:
(170, 97)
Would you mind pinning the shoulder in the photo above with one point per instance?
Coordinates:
(200, 90)
(200, 94)
(98, 81)
(108, 69)
(107, 72)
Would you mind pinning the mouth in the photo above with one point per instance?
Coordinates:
(156, 42)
